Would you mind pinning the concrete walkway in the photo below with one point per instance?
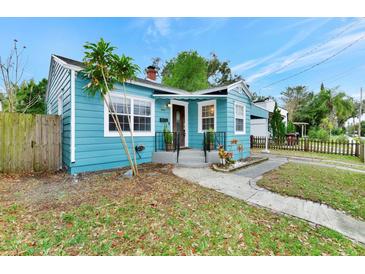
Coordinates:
(313, 161)
(242, 185)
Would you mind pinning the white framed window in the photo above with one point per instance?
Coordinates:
(207, 115)
(141, 112)
(239, 118)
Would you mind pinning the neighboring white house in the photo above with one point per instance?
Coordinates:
(354, 121)
(259, 126)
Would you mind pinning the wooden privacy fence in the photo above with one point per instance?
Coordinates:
(304, 144)
(29, 142)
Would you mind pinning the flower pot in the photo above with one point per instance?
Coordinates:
(169, 147)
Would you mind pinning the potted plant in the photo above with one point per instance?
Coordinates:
(168, 138)
(210, 139)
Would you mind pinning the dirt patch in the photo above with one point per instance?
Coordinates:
(60, 190)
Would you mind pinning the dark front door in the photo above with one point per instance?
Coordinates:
(178, 122)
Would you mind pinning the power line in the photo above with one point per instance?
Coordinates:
(315, 48)
(317, 64)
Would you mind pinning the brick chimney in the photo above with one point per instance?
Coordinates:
(151, 73)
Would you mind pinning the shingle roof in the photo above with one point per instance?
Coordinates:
(70, 61)
(138, 80)
(157, 86)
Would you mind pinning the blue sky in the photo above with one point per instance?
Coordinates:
(262, 50)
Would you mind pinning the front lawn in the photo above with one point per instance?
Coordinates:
(339, 189)
(155, 214)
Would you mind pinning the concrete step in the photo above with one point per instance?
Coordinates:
(193, 158)
(192, 164)
(192, 152)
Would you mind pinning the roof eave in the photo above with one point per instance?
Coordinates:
(157, 88)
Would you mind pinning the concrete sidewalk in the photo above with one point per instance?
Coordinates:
(313, 161)
(242, 185)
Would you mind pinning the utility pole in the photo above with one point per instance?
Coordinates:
(360, 112)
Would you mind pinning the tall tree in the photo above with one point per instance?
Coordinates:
(276, 123)
(327, 103)
(219, 72)
(188, 70)
(293, 98)
(339, 106)
(11, 74)
(30, 97)
(191, 71)
(104, 69)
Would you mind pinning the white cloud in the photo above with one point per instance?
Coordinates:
(159, 27)
(299, 37)
(309, 56)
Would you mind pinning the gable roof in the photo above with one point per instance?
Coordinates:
(225, 88)
(78, 66)
(160, 89)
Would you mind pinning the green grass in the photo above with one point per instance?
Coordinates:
(321, 156)
(339, 189)
(156, 214)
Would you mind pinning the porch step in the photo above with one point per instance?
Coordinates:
(191, 152)
(192, 164)
(187, 158)
(192, 158)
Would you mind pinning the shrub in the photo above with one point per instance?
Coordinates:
(290, 128)
(340, 138)
(338, 131)
(318, 134)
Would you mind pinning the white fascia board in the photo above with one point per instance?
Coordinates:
(189, 95)
(205, 91)
(157, 88)
(244, 87)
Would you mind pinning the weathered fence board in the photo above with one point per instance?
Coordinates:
(304, 144)
(29, 142)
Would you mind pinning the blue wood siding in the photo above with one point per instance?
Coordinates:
(95, 152)
(162, 111)
(238, 96)
(196, 138)
(60, 83)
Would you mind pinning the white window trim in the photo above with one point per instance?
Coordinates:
(186, 106)
(244, 118)
(200, 113)
(108, 133)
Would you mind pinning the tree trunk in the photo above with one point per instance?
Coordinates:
(132, 137)
(120, 131)
(116, 121)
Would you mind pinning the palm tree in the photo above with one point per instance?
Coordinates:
(105, 69)
(125, 70)
(339, 105)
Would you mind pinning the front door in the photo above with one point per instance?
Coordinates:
(178, 122)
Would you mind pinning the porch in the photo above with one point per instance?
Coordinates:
(169, 149)
(189, 128)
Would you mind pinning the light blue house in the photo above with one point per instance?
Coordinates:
(91, 143)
